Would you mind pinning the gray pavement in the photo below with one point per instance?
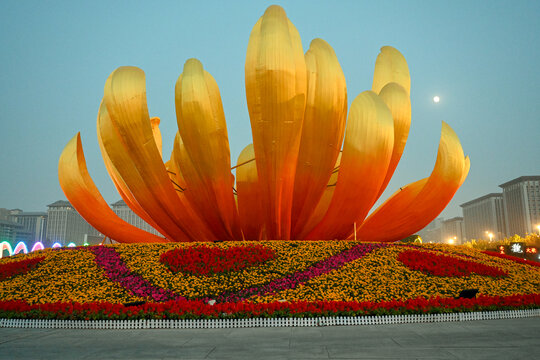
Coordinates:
(488, 339)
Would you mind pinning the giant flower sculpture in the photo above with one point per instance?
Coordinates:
(312, 172)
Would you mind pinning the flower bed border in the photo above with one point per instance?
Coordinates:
(266, 322)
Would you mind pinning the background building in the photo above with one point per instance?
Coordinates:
(522, 204)
(13, 233)
(432, 232)
(453, 229)
(121, 209)
(65, 225)
(484, 215)
(32, 222)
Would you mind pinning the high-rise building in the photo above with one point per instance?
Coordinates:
(484, 216)
(432, 232)
(13, 233)
(522, 205)
(121, 209)
(33, 222)
(65, 225)
(4, 213)
(452, 231)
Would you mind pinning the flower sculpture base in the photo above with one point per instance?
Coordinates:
(290, 279)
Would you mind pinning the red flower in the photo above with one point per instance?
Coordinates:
(444, 265)
(19, 267)
(513, 258)
(206, 261)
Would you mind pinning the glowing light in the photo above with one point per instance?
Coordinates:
(4, 245)
(21, 246)
(531, 250)
(516, 248)
(56, 245)
(71, 244)
(436, 99)
(38, 246)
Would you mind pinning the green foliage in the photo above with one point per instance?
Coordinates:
(529, 240)
(413, 239)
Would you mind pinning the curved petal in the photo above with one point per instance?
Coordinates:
(324, 203)
(367, 149)
(157, 134)
(201, 124)
(322, 131)
(413, 207)
(117, 180)
(249, 199)
(399, 103)
(83, 194)
(184, 193)
(143, 171)
(276, 96)
(391, 66)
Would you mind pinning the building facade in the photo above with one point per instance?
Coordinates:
(432, 233)
(453, 231)
(65, 225)
(14, 233)
(121, 209)
(522, 205)
(33, 222)
(483, 216)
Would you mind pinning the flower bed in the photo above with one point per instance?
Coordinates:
(207, 261)
(445, 265)
(513, 258)
(189, 309)
(18, 267)
(285, 278)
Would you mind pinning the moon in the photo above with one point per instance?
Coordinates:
(436, 99)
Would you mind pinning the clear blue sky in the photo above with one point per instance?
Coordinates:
(480, 57)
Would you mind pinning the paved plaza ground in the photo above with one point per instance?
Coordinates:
(489, 339)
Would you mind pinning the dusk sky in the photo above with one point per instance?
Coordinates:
(480, 57)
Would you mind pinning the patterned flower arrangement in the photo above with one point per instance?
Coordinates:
(295, 278)
(117, 271)
(512, 258)
(185, 309)
(18, 267)
(444, 265)
(207, 261)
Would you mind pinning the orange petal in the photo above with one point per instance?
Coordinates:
(367, 149)
(132, 149)
(399, 103)
(117, 180)
(201, 124)
(275, 73)
(322, 131)
(83, 194)
(249, 199)
(417, 204)
(157, 134)
(391, 66)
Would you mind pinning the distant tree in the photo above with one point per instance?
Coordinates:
(529, 240)
(413, 239)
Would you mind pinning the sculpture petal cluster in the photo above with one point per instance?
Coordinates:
(312, 172)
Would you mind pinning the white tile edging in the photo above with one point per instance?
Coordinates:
(264, 322)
